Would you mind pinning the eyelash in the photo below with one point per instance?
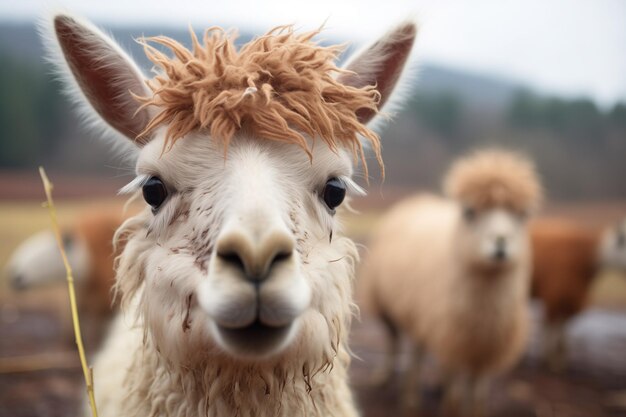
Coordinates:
(135, 185)
(352, 187)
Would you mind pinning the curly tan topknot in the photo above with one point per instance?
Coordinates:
(281, 86)
(495, 178)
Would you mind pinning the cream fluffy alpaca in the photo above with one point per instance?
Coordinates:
(235, 281)
(436, 271)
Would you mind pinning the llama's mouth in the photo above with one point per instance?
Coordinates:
(255, 340)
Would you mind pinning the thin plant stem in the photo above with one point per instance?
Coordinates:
(87, 371)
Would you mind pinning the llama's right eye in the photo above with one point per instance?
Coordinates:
(154, 192)
(334, 192)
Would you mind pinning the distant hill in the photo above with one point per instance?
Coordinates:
(20, 40)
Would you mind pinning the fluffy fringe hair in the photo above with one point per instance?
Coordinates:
(280, 86)
(495, 178)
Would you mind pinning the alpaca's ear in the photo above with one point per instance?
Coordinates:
(381, 64)
(102, 74)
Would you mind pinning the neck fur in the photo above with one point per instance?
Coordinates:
(216, 387)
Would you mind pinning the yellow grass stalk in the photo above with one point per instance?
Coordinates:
(87, 371)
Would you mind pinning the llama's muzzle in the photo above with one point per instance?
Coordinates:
(254, 291)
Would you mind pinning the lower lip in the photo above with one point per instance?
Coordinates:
(256, 339)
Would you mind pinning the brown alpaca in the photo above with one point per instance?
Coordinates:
(453, 274)
(566, 259)
(97, 230)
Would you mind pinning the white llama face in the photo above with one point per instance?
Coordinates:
(239, 239)
(613, 247)
(494, 237)
(239, 252)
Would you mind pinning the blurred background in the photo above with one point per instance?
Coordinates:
(544, 78)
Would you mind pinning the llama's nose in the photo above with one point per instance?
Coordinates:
(255, 256)
(500, 252)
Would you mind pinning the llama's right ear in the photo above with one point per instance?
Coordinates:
(381, 64)
(102, 74)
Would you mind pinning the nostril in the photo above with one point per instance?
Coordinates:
(232, 259)
(500, 252)
(281, 256)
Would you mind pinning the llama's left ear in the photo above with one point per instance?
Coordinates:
(381, 64)
(97, 70)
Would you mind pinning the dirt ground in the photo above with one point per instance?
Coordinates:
(589, 387)
(594, 387)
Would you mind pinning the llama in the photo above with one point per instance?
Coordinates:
(453, 274)
(235, 281)
(36, 262)
(566, 259)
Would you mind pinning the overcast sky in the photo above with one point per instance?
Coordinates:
(567, 47)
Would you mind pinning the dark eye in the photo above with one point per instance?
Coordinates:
(154, 192)
(469, 213)
(334, 193)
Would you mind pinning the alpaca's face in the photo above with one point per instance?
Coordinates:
(613, 247)
(37, 260)
(493, 237)
(241, 245)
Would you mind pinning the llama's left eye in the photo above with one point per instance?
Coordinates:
(334, 193)
(469, 213)
(154, 192)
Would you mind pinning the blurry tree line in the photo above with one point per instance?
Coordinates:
(579, 148)
(574, 121)
(37, 124)
(31, 113)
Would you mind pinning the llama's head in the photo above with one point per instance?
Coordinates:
(37, 261)
(243, 158)
(613, 247)
(496, 192)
